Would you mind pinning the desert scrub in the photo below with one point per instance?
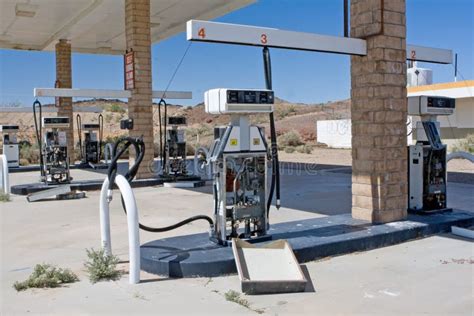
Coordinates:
(101, 266)
(116, 108)
(290, 138)
(304, 149)
(46, 276)
(289, 150)
(4, 197)
(30, 153)
(466, 144)
(24, 162)
(108, 117)
(233, 296)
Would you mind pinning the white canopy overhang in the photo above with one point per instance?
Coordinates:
(96, 26)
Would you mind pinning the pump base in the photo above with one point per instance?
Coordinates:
(85, 185)
(252, 240)
(177, 178)
(196, 256)
(429, 212)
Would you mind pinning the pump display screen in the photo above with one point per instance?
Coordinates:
(90, 126)
(9, 128)
(446, 103)
(249, 97)
(56, 120)
(176, 120)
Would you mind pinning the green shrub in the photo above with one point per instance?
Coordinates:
(233, 296)
(46, 276)
(289, 150)
(290, 138)
(195, 134)
(4, 197)
(108, 117)
(304, 149)
(30, 153)
(116, 108)
(101, 266)
(24, 162)
(190, 149)
(466, 144)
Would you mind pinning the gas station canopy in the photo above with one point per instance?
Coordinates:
(96, 26)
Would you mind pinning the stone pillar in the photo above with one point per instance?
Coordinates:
(379, 111)
(140, 108)
(64, 80)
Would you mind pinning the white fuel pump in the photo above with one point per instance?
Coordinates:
(10, 144)
(427, 158)
(54, 150)
(90, 137)
(52, 142)
(239, 162)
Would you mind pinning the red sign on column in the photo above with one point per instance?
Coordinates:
(129, 64)
(57, 102)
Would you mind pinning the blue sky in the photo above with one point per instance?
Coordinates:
(297, 76)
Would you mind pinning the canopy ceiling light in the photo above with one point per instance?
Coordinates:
(26, 10)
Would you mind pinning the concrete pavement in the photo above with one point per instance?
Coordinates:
(433, 275)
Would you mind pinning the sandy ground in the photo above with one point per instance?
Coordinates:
(428, 276)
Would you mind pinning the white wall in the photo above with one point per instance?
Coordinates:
(334, 133)
(338, 133)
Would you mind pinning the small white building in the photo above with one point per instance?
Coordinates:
(337, 133)
(461, 123)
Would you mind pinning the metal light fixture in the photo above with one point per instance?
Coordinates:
(25, 10)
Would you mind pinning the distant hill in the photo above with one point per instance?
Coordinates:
(289, 116)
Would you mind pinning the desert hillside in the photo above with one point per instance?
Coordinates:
(289, 116)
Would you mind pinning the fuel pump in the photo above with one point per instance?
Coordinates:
(10, 144)
(54, 156)
(174, 157)
(239, 158)
(172, 145)
(427, 170)
(90, 138)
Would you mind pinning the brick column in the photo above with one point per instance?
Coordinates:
(379, 112)
(64, 78)
(137, 31)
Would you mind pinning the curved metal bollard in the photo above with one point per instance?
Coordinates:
(460, 154)
(132, 223)
(5, 181)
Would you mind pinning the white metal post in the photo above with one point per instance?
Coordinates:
(106, 241)
(108, 150)
(4, 175)
(132, 223)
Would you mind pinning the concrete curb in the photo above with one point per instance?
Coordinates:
(196, 256)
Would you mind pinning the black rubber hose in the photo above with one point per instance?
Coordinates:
(161, 133)
(139, 147)
(274, 147)
(38, 133)
(79, 134)
(101, 136)
(165, 143)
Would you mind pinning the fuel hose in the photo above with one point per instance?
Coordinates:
(275, 184)
(38, 133)
(120, 147)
